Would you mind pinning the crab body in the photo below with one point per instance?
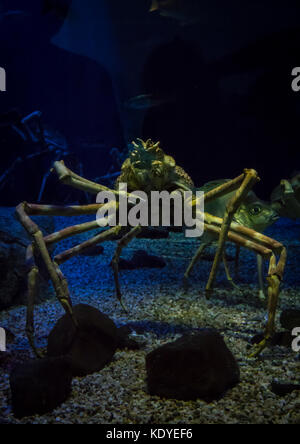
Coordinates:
(148, 169)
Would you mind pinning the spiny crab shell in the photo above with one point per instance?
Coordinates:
(148, 168)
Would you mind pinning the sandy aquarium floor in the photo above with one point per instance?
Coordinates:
(160, 312)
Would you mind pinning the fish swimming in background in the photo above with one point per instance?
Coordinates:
(253, 213)
(185, 11)
(146, 101)
(13, 12)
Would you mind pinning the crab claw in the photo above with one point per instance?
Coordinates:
(286, 198)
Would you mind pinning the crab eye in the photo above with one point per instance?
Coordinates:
(255, 210)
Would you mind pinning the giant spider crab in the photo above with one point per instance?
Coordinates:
(147, 168)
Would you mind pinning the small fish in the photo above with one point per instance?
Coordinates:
(253, 212)
(257, 215)
(185, 11)
(15, 12)
(145, 101)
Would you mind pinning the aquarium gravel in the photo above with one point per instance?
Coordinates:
(159, 311)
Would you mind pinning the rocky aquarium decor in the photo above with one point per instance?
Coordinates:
(89, 348)
(13, 243)
(39, 386)
(194, 366)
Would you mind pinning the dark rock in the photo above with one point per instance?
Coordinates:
(194, 366)
(154, 233)
(211, 256)
(91, 346)
(283, 388)
(174, 229)
(39, 386)
(9, 336)
(125, 264)
(10, 359)
(4, 358)
(95, 250)
(290, 318)
(13, 273)
(283, 339)
(280, 338)
(256, 339)
(4, 420)
(124, 339)
(141, 259)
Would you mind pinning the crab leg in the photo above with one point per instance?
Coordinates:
(227, 271)
(225, 188)
(241, 184)
(107, 235)
(56, 210)
(122, 243)
(236, 261)
(274, 278)
(250, 178)
(68, 177)
(58, 280)
(68, 211)
(70, 231)
(62, 234)
(267, 248)
(260, 265)
(51, 210)
(39, 246)
(238, 239)
(33, 281)
(195, 259)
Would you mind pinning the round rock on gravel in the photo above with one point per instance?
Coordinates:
(91, 346)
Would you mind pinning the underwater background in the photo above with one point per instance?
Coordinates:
(213, 83)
